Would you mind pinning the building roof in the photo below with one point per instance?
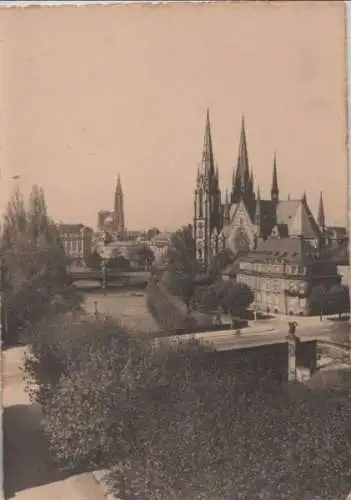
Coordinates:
(293, 249)
(70, 228)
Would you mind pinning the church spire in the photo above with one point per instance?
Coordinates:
(321, 214)
(226, 213)
(241, 175)
(275, 189)
(258, 213)
(207, 150)
(243, 157)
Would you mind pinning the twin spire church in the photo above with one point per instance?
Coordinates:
(245, 219)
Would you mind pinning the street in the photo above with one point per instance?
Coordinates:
(274, 331)
(28, 470)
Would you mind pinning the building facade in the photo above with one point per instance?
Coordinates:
(114, 221)
(282, 271)
(245, 219)
(77, 241)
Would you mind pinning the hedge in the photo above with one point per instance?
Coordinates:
(174, 425)
(170, 313)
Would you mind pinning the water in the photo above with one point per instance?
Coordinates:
(129, 307)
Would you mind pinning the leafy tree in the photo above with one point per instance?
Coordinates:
(152, 232)
(338, 298)
(35, 279)
(120, 263)
(237, 297)
(318, 300)
(94, 260)
(143, 255)
(222, 260)
(183, 267)
(180, 422)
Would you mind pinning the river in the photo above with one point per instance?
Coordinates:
(129, 306)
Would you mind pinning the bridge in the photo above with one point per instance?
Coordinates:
(109, 276)
(295, 357)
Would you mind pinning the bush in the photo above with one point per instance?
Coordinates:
(180, 424)
(169, 312)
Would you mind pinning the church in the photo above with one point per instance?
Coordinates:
(245, 219)
(113, 222)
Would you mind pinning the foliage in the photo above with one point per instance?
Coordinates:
(119, 263)
(318, 299)
(237, 297)
(35, 279)
(152, 232)
(143, 256)
(94, 260)
(220, 262)
(180, 424)
(225, 295)
(183, 267)
(338, 298)
(166, 310)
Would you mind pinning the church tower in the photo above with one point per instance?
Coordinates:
(207, 204)
(118, 215)
(242, 184)
(274, 188)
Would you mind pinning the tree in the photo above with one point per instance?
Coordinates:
(222, 260)
(144, 256)
(237, 297)
(152, 232)
(318, 300)
(183, 267)
(338, 299)
(120, 263)
(94, 260)
(35, 279)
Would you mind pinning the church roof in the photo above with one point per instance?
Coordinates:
(291, 249)
(291, 217)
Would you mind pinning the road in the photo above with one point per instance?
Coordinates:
(28, 470)
(272, 332)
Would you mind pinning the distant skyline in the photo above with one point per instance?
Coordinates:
(91, 92)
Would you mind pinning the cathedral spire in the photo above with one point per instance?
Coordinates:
(275, 189)
(119, 207)
(321, 214)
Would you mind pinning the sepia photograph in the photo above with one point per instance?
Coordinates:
(174, 251)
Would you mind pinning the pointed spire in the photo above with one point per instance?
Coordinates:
(258, 212)
(275, 189)
(207, 151)
(226, 214)
(243, 157)
(118, 184)
(321, 214)
(304, 197)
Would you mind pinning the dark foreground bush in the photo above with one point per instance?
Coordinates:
(178, 425)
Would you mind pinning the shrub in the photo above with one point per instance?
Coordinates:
(169, 312)
(180, 424)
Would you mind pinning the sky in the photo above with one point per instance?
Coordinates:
(91, 92)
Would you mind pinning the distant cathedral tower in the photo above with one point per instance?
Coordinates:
(118, 215)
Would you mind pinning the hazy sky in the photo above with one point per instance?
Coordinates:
(90, 92)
